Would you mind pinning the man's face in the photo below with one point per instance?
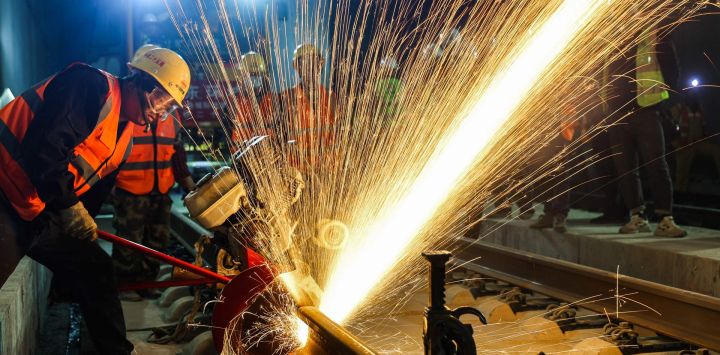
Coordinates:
(309, 68)
(157, 105)
(259, 83)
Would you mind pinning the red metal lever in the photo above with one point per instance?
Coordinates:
(164, 257)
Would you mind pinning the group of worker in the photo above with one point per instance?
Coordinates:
(83, 134)
(259, 111)
(633, 96)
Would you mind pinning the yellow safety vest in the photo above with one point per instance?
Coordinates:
(648, 76)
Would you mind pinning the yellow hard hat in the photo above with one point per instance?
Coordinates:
(168, 68)
(253, 63)
(307, 49)
(141, 51)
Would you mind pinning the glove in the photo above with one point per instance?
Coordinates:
(187, 183)
(75, 221)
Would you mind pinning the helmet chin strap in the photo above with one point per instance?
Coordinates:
(143, 109)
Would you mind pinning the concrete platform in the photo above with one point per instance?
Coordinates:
(23, 301)
(690, 263)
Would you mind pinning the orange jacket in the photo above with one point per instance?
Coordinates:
(94, 158)
(149, 164)
(247, 124)
(312, 123)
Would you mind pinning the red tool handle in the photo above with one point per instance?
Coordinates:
(164, 257)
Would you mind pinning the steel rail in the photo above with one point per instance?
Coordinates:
(677, 313)
(327, 337)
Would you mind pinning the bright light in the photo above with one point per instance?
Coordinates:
(360, 268)
(695, 82)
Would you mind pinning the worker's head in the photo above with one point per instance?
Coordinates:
(140, 52)
(253, 64)
(158, 81)
(308, 61)
(389, 66)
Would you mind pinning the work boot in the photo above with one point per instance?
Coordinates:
(637, 224)
(545, 221)
(668, 228)
(559, 223)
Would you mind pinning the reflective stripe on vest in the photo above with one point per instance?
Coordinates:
(149, 165)
(648, 76)
(98, 155)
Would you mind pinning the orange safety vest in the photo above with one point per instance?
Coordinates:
(149, 164)
(313, 125)
(247, 125)
(94, 158)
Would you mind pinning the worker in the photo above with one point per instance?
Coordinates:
(387, 89)
(640, 92)
(253, 113)
(141, 196)
(312, 110)
(60, 140)
(555, 188)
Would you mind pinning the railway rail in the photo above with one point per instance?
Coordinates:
(688, 316)
(691, 318)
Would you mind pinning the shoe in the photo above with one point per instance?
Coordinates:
(668, 228)
(130, 296)
(545, 221)
(559, 223)
(527, 214)
(637, 224)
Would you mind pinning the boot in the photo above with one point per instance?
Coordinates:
(668, 228)
(637, 224)
(545, 221)
(559, 223)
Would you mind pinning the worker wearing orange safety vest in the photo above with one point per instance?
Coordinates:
(141, 197)
(60, 143)
(311, 109)
(253, 114)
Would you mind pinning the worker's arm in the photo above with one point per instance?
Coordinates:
(99, 193)
(180, 168)
(69, 113)
(668, 63)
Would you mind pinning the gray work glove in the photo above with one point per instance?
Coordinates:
(75, 221)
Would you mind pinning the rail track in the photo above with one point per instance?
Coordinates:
(674, 313)
(683, 321)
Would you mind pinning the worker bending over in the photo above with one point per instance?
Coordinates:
(58, 141)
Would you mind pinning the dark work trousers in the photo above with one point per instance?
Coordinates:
(640, 136)
(604, 169)
(554, 187)
(80, 262)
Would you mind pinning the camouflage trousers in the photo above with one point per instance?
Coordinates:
(143, 219)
